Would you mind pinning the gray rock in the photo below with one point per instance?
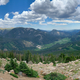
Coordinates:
(20, 73)
(1, 78)
(3, 65)
(79, 77)
(11, 71)
(40, 63)
(30, 62)
(51, 64)
(24, 61)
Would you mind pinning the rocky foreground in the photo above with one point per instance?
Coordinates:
(71, 70)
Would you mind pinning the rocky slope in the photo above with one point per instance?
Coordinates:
(71, 70)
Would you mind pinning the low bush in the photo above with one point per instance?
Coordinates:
(16, 70)
(25, 69)
(46, 62)
(8, 67)
(55, 76)
(14, 75)
(31, 73)
(22, 67)
(12, 65)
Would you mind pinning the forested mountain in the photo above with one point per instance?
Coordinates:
(36, 36)
(35, 39)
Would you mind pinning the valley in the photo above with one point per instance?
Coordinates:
(37, 40)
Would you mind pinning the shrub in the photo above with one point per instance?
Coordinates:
(13, 64)
(23, 66)
(25, 69)
(14, 75)
(8, 67)
(55, 76)
(16, 70)
(31, 73)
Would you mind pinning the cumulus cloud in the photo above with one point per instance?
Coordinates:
(56, 9)
(6, 16)
(40, 10)
(21, 19)
(3, 2)
(29, 16)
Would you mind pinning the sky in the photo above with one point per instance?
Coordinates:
(40, 14)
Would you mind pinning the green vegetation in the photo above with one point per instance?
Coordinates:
(22, 67)
(60, 56)
(3, 71)
(12, 79)
(63, 41)
(55, 76)
(76, 79)
(12, 65)
(77, 62)
(14, 75)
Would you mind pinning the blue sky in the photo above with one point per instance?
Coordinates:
(40, 14)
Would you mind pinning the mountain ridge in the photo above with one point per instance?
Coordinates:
(29, 38)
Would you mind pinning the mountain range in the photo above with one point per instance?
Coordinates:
(35, 39)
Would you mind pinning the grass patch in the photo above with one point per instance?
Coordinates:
(76, 62)
(55, 76)
(62, 41)
(14, 75)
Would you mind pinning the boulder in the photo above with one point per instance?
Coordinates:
(1, 78)
(3, 65)
(51, 64)
(78, 77)
(24, 61)
(30, 62)
(11, 71)
(23, 74)
(20, 74)
(71, 70)
(51, 68)
(40, 63)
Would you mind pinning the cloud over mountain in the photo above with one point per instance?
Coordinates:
(57, 9)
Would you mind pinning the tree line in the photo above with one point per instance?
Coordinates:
(36, 58)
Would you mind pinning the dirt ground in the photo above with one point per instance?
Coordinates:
(7, 76)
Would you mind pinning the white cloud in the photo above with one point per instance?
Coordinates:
(66, 21)
(41, 23)
(3, 2)
(21, 19)
(6, 16)
(62, 22)
(60, 9)
(15, 13)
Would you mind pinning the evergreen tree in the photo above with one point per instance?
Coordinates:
(11, 55)
(28, 56)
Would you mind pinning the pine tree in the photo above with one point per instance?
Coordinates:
(28, 56)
